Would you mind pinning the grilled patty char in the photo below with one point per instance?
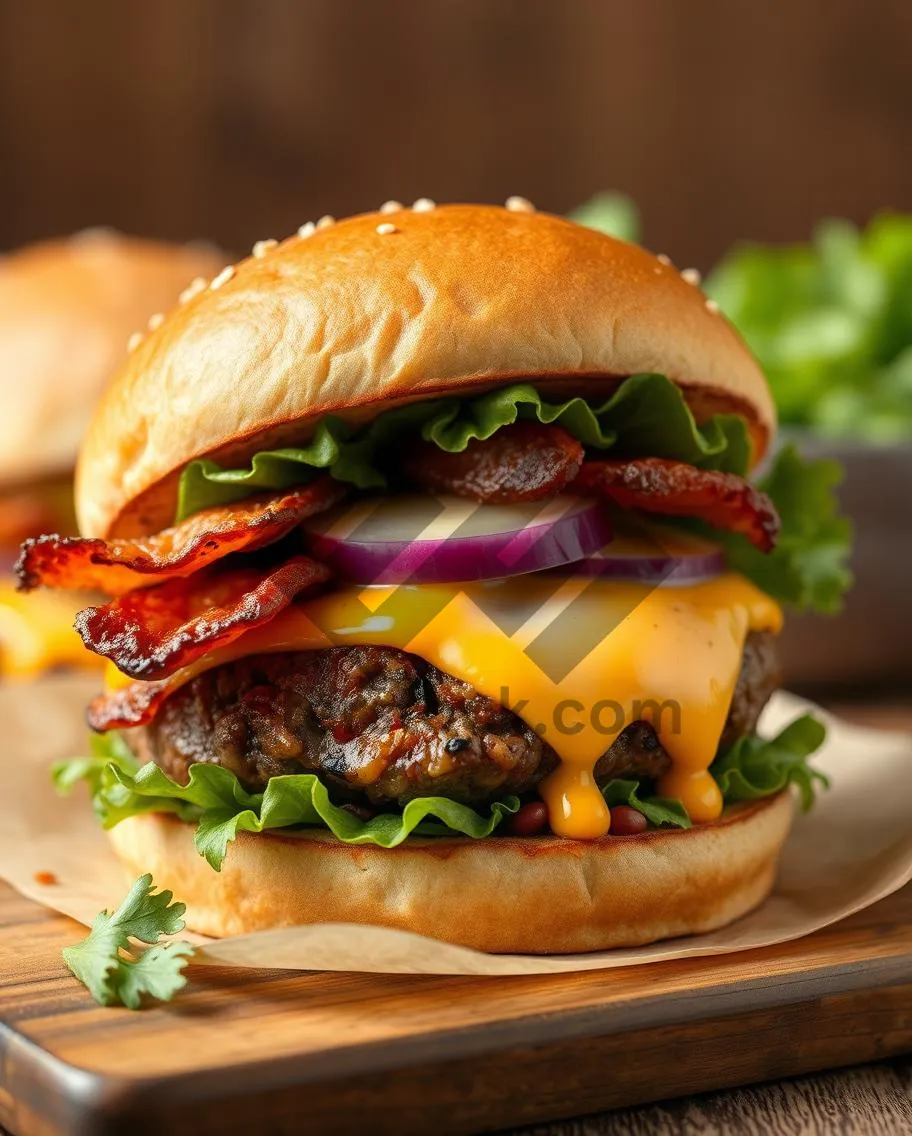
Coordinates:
(382, 726)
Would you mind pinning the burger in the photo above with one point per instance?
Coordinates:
(67, 308)
(440, 597)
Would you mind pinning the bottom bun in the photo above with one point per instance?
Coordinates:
(530, 895)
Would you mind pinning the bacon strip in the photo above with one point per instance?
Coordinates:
(152, 632)
(522, 462)
(132, 705)
(656, 485)
(117, 566)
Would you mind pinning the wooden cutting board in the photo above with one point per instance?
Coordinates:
(251, 1051)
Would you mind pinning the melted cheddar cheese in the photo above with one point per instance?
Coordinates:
(578, 659)
(36, 633)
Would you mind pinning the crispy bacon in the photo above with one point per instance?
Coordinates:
(132, 705)
(117, 566)
(656, 485)
(522, 462)
(152, 632)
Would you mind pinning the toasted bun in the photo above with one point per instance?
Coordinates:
(67, 309)
(352, 320)
(505, 895)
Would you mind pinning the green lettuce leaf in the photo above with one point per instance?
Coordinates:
(220, 807)
(659, 811)
(756, 767)
(807, 569)
(647, 414)
(613, 213)
(831, 324)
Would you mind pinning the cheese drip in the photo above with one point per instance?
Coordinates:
(36, 633)
(668, 655)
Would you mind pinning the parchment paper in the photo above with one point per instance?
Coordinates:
(854, 849)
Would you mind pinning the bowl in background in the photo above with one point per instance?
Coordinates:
(869, 645)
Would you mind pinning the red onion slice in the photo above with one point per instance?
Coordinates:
(432, 540)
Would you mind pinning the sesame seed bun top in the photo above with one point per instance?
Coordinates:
(354, 317)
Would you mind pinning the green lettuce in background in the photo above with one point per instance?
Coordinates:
(220, 807)
(831, 323)
(613, 213)
(829, 319)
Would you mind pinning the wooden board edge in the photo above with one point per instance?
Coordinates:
(91, 1101)
(527, 1084)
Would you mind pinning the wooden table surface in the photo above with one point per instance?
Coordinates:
(870, 1100)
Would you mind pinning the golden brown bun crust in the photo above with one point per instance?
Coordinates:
(351, 321)
(67, 309)
(525, 896)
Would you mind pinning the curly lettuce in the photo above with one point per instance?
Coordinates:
(756, 767)
(219, 807)
(646, 415)
(661, 812)
(808, 568)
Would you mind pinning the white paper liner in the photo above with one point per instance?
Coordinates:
(852, 850)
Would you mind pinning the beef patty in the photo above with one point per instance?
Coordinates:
(383, 727)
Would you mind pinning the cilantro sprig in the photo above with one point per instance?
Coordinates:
(118, 972)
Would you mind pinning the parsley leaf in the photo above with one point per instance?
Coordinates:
(110, 964)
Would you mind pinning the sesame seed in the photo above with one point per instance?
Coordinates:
(424, 205)
(386, 228)
(223, 277)
(325, 221)
(96, 233)
(197, 285)
(712, 306)
(391, 207)
(520, 205)
(663, 259)
(307, 230)
(691, 276)
(657, 270)
(156, 321)
(134, 341)
(262, 247)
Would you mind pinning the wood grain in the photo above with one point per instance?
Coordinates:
(236, 121)
(240, 1049)
(473, 1054)
(869, 1101)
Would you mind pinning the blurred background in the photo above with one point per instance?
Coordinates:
(722, 123)
(240, 119)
